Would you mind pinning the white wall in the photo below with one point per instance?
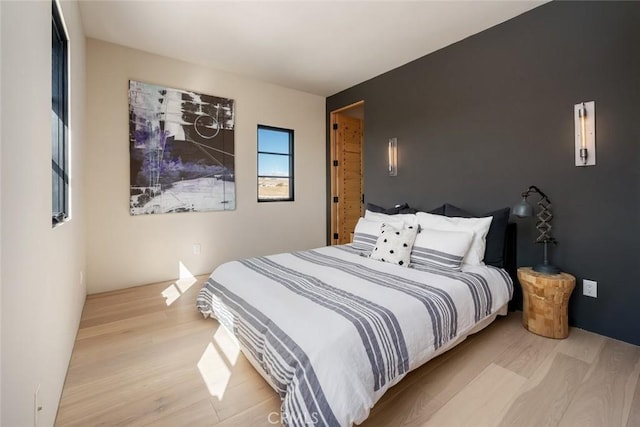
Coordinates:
(122, 250)
(42, 296)
(0, 213)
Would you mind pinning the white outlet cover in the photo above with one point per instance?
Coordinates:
(590, 288)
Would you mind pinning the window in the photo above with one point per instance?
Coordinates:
(59, 118)
(275, 164)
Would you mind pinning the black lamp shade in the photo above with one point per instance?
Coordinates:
(522, 209)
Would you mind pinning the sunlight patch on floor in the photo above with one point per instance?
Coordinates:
(171, 294)
(180, 286)
(227, 344)
(216, 362)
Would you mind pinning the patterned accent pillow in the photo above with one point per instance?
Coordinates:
(394, 244)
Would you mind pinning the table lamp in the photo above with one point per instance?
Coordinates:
(543, 224)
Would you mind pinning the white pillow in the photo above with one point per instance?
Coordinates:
(441, 248)
(408, 219)
(394, 244)
(366, 233)
(478, 226)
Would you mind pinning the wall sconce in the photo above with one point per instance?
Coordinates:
(584, 115)
(393, 157)
(543, 224)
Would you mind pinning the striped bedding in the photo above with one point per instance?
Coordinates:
(332, 330)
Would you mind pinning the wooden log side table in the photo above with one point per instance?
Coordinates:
(545, 302)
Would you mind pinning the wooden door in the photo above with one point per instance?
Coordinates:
(346, 176)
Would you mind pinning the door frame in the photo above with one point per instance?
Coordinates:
(333, 188)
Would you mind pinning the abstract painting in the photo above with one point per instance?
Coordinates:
(181, 147)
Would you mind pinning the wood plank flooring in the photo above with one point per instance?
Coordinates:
(145, 357)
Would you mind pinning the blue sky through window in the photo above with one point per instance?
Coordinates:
(273, 141)
(273, 165)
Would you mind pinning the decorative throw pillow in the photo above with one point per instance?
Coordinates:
(394, 244)
(366, 234)
(440, 248)
(478, 226)
(494, 253)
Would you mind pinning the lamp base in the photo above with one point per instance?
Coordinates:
(546, 269)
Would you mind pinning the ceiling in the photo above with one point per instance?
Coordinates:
(321, 47)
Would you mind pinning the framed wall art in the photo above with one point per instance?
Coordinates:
(181, 150)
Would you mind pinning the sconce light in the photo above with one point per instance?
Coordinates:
(585, 123)
(543, 224)
(393, 157)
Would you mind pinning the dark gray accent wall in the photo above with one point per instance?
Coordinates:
(479, 121)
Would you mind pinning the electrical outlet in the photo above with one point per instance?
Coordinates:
(196, 248)
(37, 406)
(590, 288)
(81, 277)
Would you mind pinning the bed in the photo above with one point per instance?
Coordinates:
(331, 329)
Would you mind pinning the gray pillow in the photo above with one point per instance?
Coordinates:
(389, 211)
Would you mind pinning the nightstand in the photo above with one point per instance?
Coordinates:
(545, 302)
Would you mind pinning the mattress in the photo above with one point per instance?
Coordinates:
(331, 330)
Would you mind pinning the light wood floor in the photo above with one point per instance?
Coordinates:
(144, 356)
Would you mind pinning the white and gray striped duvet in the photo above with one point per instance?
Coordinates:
(333, 330)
